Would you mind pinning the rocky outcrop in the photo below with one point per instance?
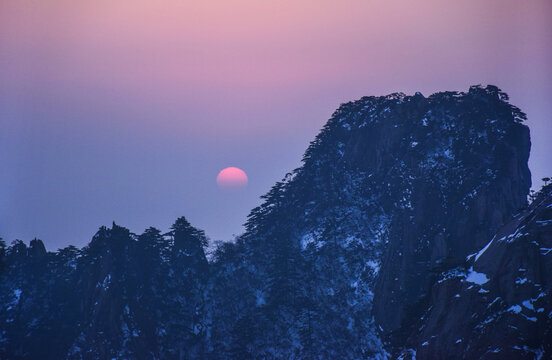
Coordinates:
(498, 305)
(462, 176)
(393, 191)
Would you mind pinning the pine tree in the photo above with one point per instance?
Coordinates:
(187, 282)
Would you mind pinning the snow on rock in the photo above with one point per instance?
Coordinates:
(476, 277)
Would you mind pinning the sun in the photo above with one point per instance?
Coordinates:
(232, 178)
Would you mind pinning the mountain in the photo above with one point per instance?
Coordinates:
(406, 233)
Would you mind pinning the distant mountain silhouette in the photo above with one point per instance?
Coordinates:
(405, 234)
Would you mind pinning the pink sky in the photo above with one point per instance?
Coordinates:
(235, 83)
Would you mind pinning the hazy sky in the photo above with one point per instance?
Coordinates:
(127, 110)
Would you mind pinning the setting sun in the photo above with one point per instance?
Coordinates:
(232, 178)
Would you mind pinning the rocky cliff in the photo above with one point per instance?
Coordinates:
(497, 304)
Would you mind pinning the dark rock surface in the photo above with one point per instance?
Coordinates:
(498, 305)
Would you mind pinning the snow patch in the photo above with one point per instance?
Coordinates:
(17, 294)
(260, 300)
(374, 265)
(528, 305)
(306, 240)
(476, 278)
(478, 255)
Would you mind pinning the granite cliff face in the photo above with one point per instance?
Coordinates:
(358, 254)
(453, 168)
(397, 190)
(497, 305)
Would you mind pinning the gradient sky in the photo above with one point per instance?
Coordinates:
(127, 110)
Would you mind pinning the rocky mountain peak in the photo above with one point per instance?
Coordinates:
(405, 233)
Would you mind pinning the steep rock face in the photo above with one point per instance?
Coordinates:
(141, 294)
(499, 304)
(123, 296)
(452, 168)
(393, 191)
(37, 297)
(457, 166)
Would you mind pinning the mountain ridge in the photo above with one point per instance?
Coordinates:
(343, 258)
